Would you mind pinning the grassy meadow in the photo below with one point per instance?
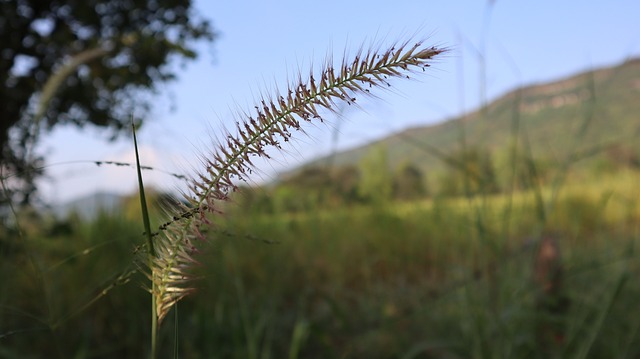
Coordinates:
(509, 255)
(438, 278)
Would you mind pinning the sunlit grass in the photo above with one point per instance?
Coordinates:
(435, 278)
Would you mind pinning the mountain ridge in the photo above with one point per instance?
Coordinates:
(576, 113)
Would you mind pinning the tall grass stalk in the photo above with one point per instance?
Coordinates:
(151, 250)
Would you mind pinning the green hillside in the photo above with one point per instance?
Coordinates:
(591, 115)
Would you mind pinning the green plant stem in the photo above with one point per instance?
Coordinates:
(152, 253)
(154, 325)
(175, 331)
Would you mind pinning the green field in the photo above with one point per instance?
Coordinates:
(447, 278)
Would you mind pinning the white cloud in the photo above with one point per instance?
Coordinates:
(108, 173)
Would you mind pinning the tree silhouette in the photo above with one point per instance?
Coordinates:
(376, 182)
(78, 62)
(408, 182)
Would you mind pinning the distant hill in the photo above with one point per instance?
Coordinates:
(579, 114)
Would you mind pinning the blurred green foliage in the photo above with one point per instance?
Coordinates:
(441, 278)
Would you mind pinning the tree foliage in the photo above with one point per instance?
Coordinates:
(518, 169)
(73, 62)
(376, 183)
(471, 172)
(318, 187)
(409, 183)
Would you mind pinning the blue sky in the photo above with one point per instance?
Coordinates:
(495, 47)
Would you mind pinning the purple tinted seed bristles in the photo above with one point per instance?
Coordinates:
(273, 121)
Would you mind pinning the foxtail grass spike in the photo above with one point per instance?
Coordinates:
(270, 124)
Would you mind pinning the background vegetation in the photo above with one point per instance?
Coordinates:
(434, 278)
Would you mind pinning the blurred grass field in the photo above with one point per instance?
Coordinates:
(441, 278)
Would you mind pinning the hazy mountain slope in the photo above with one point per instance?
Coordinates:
(571, 115)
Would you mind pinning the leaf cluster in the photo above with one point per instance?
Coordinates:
(85, 62)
